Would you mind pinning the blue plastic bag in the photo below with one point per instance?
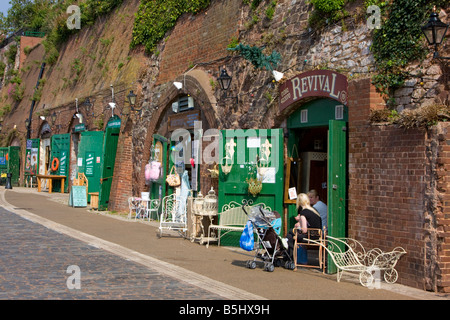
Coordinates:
(247, 242)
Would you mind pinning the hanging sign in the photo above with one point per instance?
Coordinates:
(316, 83)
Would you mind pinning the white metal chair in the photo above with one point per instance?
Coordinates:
(134, 204)
(173, 215)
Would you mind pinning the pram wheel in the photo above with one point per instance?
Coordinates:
(278, 262)
(251, 264)
(268, 266)
(289, 265)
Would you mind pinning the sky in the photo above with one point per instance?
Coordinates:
(4, 6)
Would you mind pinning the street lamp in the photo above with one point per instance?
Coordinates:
(435, 31)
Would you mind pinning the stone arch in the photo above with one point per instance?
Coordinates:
(196, 83)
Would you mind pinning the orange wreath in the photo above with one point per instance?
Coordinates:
(55, 164)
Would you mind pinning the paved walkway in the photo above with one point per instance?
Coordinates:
(39, 263)
(213, 273)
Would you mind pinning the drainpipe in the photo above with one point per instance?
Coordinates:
(33, 103)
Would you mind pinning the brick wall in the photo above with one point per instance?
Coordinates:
(121, 187)
(437, 209)
(199, 39)
(25, 42)
(392, 193)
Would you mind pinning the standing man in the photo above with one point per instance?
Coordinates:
(319, 206)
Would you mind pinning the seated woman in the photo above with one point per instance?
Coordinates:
(307, 217)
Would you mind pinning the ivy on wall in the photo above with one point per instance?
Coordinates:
(155, 17)
(399, 42)
(396, 44)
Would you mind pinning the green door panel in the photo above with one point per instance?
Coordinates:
(10, 163)
(158, 188)
(90, 155)
(110, 141)
(60, 149)
(337, 182)
(247, 145)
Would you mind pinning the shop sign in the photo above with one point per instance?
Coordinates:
(184, 120)
(316, 83)
(114, 122)
(79, 128)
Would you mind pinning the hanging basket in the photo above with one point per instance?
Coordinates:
(214, 172)
(254, 186)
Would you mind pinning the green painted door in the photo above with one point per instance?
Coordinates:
(159, 153)
(60, 149)
(31, 159)
(90, 155)
(109, 159)
(239, 151)
(337, 182)
(10, 163)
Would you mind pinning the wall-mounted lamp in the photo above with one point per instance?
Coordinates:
(225, 81)
(132, 101)
(131, 98)
(87, 105)
(178, 85)
(435, 31)
(277, 75)
(1, 127)
(53, 117)
(112, 105)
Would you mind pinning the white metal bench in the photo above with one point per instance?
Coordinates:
(231, 218)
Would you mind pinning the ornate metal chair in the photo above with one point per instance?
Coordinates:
(173, 215)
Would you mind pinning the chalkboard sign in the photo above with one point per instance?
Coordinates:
(77, 197)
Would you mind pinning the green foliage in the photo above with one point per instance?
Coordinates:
(256, 56)
(18, 92)
(398, 42)
(328, 6)
(50, 16)
(327, 11)
(11, 54)
(270, 11)
(156, 17)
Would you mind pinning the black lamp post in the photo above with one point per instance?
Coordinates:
(435, 31)
(1, 127)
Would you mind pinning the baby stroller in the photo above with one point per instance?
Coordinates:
(270, 247)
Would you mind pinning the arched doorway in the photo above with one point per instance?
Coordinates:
(186, 117)
(316, 105)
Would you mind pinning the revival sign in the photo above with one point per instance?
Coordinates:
(316, 83)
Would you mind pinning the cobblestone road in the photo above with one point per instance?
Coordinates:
(34, 264)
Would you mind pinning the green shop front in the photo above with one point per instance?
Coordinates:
(316, 117)
(95, 155)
